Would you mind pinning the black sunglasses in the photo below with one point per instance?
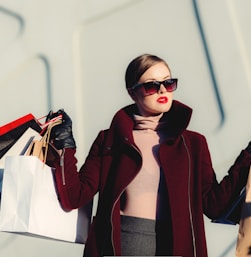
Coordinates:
(153, 87)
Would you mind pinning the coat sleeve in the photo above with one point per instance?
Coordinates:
(75, 189)
(218, 196)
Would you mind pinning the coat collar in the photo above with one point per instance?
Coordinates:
(178, 118)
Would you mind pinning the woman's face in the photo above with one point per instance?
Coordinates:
(159, 102)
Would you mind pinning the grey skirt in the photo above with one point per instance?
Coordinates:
(138, 236)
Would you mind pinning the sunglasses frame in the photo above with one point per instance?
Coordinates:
(169, 84)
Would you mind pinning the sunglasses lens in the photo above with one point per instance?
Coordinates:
(151, 88)
(170, 84)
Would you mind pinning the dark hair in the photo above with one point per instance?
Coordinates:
(138, 66)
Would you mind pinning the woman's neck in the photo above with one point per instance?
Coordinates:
(150, 122)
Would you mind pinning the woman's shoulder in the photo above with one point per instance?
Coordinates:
(194, 135)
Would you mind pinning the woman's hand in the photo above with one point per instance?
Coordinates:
(61, 135)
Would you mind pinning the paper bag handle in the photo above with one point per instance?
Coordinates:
(39, 148)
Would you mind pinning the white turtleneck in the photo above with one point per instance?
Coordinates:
(141, 194)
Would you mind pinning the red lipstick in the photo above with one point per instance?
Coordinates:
(162, 100)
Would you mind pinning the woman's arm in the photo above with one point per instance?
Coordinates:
(75, 188)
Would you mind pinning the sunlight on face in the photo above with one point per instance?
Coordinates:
(159, 102)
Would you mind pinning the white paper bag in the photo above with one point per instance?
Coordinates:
(243, 246)
(19, 148)
(30, 203)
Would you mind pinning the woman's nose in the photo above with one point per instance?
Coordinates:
(162, 89)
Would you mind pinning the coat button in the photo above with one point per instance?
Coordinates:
(126, 138)
(108, 148)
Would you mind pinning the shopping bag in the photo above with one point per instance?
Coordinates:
(22, 145)
(30, 203)
(243, 245)
(17, 135)
(19, 147)
(11, 131)
(233, 212)
(39, 147)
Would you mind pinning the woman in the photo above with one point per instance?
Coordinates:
(154, 177)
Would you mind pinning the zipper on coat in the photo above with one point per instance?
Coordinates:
(62, 166)
(189, 196)
(117, 201)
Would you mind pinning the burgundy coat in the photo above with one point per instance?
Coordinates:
(114, 160)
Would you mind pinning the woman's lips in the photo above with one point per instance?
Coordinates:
(162, 100)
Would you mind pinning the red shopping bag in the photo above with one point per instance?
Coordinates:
(10, 132)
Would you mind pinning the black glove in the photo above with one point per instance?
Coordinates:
(61, 135)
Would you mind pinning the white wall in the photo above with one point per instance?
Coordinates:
(73, 55)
